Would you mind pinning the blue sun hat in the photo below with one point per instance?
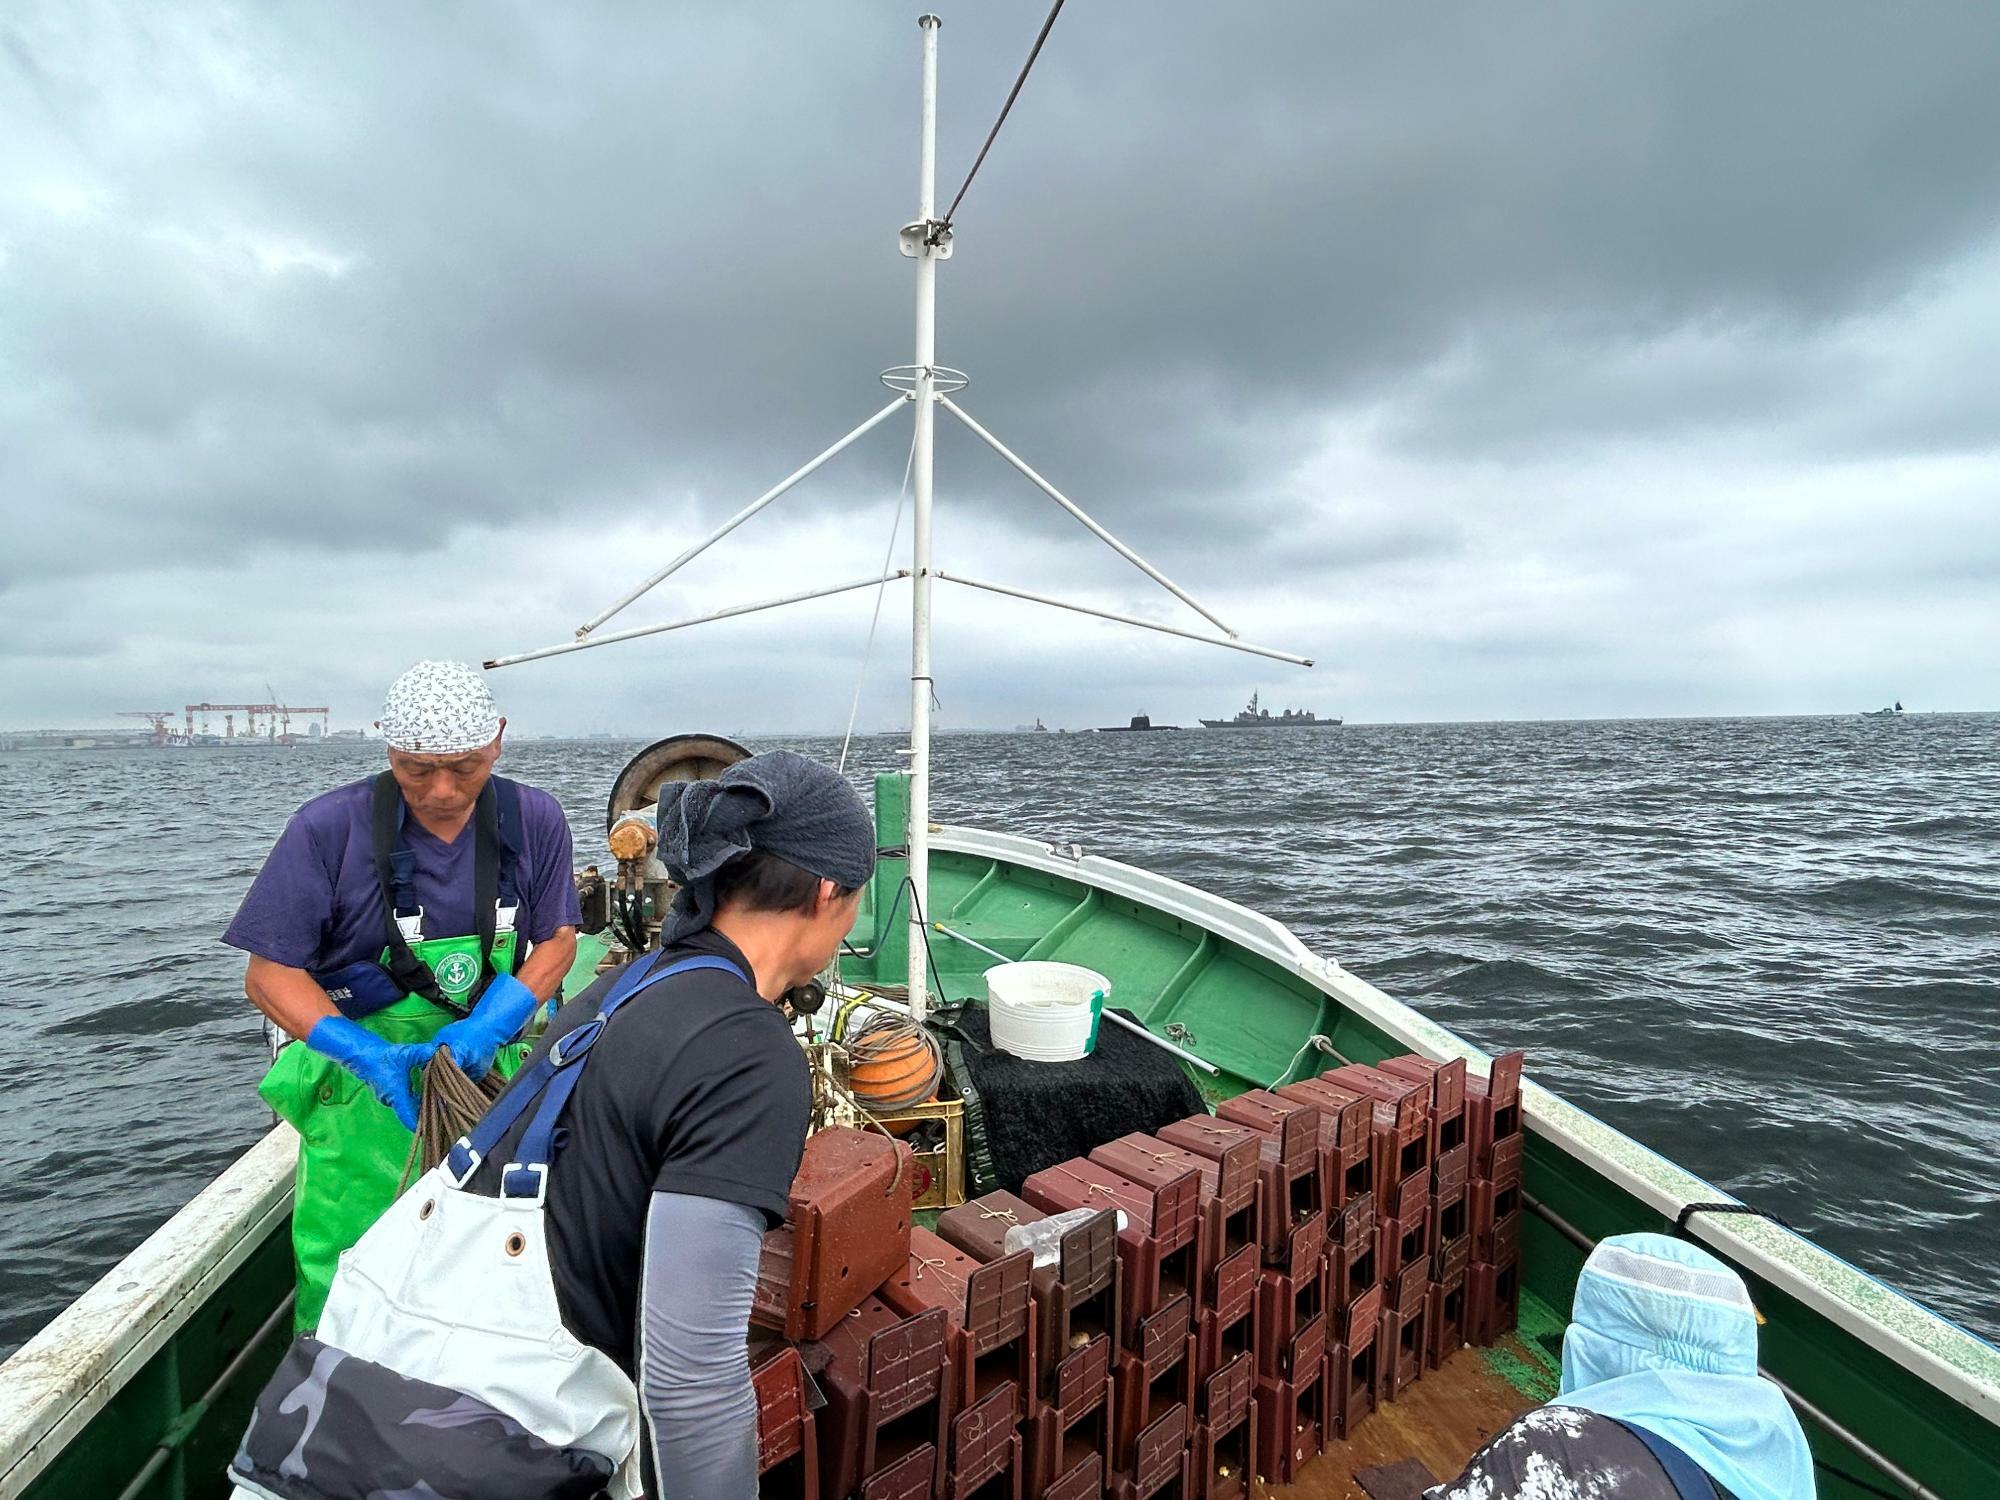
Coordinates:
(1663, 1337)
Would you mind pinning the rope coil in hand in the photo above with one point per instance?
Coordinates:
(448, 1105)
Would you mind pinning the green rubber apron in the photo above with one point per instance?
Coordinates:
(351, 1146)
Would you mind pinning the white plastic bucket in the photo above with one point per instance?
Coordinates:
(1045, 1012)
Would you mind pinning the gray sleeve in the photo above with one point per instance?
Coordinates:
(695, 1400)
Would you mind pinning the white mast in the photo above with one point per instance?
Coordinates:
(926, 384)
(927, 256)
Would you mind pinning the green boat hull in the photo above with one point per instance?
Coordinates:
(156, 1387)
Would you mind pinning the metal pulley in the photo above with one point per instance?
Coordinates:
(642, 890)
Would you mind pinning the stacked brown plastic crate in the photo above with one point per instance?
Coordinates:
(1451, 1236)
(1354, 1289)
(1404, 1145)
(1074, 1324)
(1293, 1410)
(1225, 1299)
(887, 1386)
(990, 1353)
(1285, 1266)
(1493, 1119)
(1160, 1253)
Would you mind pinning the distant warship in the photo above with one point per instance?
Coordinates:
(1256, 718)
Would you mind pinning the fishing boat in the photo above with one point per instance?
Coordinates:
(141, 1388)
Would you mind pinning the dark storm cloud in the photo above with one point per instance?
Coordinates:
(321, 288)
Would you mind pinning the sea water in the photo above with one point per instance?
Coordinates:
(1769, 948)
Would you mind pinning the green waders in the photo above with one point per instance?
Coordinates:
(351, 1146)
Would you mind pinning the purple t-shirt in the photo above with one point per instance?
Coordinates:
(316, 904)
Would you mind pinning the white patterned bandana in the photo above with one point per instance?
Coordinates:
(440, 708)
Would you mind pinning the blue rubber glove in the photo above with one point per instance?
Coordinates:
(384, 1066)
(495, 1021)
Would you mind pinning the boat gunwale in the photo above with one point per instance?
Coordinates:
(1948, 1358)
(69, 1371)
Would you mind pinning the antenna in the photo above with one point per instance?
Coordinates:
(924, 385)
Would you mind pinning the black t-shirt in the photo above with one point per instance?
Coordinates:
(697, 1086)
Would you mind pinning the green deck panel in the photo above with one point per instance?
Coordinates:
(1531, 1360)
(1004, 911)
(1245, 1016)
(1138, 951)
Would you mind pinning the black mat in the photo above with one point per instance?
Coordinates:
(1038, 1114)
(1406, 1479)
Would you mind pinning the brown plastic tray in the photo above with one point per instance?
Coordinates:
(1159, 1248)
(848, 1231)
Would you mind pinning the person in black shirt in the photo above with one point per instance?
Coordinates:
(684, 1134)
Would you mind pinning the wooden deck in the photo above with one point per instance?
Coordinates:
(1441, 1421)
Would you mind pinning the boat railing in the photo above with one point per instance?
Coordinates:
(70, 1371)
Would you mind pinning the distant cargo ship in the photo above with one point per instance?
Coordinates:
(1256, 718)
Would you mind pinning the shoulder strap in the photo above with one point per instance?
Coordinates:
(485, 881)
(552, 1078)
(1690, 1480)
(394, 873)
(513, 839)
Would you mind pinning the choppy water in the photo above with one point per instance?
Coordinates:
(1769, 948)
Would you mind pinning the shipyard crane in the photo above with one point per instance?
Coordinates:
(273, 714)
(158, 718)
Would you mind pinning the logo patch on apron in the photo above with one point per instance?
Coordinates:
(457, 973)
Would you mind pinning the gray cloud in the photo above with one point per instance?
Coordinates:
(1356, 318)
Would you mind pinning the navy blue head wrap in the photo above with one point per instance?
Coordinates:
(778, 803)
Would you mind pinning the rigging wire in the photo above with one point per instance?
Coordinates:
(943, 226)
(867, 649)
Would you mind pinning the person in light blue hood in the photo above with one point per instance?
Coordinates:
(1660, 1395)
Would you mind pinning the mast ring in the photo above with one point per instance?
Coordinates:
(944, 379)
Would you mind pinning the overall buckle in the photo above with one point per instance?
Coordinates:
(525, 1180)
(572, 1045)
(461, 1152)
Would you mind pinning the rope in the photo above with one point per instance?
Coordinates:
(449, 1105)
(885, 1035)
(1688, 1212)
(868, 648)
(944, 225)
(869, 1122)
(1317, 1039)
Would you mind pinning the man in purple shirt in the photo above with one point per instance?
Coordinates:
(430, 906)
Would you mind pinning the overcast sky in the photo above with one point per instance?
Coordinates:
(1513, 361)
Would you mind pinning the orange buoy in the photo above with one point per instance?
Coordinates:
(898, 1071)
